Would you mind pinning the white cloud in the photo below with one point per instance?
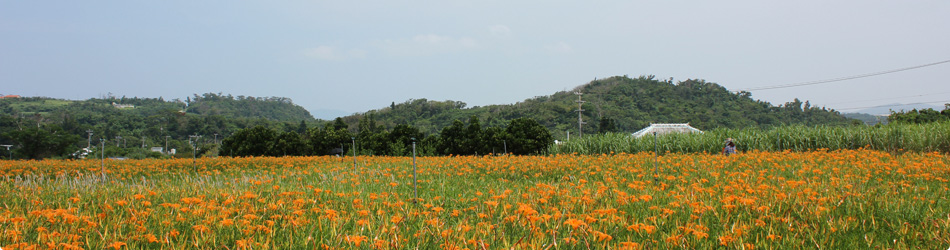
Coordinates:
(331, 53)
(559, 47)
(427, 44)
(499, 30)
(431, 39)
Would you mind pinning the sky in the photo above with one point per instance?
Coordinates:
(341, 57)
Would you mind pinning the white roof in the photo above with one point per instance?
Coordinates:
(666, 128)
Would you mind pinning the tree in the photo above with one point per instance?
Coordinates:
(452, 139)
(328, 140)
(494, 139)
(922, 116)
(288, 143)
(42, 141)
(256, 141)
(371, 137)
(606, 125)
(527, 136)
(338, 123)
(302, 127)
(473, 143)
(400, 139)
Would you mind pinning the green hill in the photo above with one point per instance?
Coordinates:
(47, 127)
(619, 104)
(271, 108)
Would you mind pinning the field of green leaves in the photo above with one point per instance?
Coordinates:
(930, 137)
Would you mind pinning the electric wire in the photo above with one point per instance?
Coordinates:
(892, 105)
(781, 86)
(889, 98)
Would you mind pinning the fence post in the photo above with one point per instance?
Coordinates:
(415, 192)
(656, 157)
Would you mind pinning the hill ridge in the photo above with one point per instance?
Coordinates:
(627, 103)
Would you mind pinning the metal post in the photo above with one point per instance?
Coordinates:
(166, 145)
(656, 157)
(194, 152)
(580, 119)
(506, 147)
(354, 153)
(102, 157)
(415, 192)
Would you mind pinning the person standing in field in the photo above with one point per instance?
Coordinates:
(730, 147)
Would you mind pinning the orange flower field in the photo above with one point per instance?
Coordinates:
(851, 199)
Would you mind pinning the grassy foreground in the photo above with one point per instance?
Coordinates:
(849, 199)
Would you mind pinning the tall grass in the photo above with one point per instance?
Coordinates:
(932, 137)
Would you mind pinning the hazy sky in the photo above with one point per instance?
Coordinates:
(353, 56)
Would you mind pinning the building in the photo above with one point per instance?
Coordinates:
(666, 128)
(9, 96)
(122, 106)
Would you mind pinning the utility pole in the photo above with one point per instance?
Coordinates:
(89, 141)
(580, 111)
(194, 152)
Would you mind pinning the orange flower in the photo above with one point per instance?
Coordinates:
(574, 223)
(116, 245)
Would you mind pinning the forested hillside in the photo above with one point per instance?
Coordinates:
(271, 108)
(42, 127)
(616, 104)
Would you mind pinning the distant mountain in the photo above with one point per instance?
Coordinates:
(868, 119)
(897, 107)
(617, 104)
(329, 114)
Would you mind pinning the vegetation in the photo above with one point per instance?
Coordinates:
(868, 119)
(153, 122)
(848, 199)
(616, 104)
(524, 135)
(930, 137)
(921, 116)
(613, 104)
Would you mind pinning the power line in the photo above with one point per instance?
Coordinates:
(890, 98)
(843, 78)
(892, 105)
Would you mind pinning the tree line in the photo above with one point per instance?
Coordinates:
(41, 127)
(521, 136)
(920, 116)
